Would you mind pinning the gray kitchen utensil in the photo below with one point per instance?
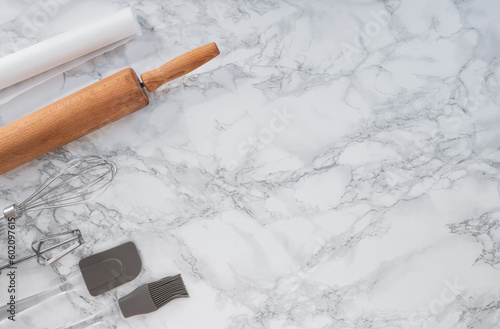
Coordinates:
(109, 269)
(79, 181)
(145, 299)
(100, 273)
(40, 250)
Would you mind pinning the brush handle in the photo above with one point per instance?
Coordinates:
(179, 66)
(28, 302)
(108, 313)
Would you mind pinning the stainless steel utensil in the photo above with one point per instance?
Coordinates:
(40, 251)
(79, 181)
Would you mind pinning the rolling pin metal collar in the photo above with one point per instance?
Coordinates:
(12, 212)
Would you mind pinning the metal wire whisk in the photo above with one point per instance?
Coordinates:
(79, 181)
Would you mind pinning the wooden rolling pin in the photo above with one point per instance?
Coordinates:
(90, 109)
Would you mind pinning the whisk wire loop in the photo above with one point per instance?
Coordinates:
(79, 181)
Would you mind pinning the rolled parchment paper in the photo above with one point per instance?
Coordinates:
(29, 67)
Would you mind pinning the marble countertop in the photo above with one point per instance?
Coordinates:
(337, 166)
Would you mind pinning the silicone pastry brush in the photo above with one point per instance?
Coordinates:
(79, 181)
(145, 299)
(100, 273)
(90, 109)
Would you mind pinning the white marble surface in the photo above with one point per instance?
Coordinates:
(309, 177)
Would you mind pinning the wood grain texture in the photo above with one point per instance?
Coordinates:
(70, 118)
(179, 66)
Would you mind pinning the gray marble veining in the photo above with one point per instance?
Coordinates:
(335, 167)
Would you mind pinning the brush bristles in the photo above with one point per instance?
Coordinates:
(167, 289)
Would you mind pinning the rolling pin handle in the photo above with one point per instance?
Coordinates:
(179, 66)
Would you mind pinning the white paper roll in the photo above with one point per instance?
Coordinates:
(29, 67)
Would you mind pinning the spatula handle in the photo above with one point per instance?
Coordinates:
(29, 302)
(109, 313)
(179, 66)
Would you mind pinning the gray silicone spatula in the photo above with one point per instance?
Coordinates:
(100, 273)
